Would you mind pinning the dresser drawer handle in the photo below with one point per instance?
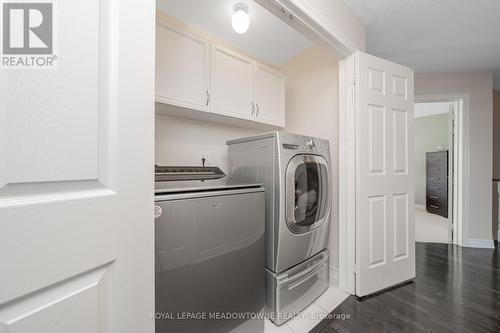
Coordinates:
(432, 206)
(433, 197)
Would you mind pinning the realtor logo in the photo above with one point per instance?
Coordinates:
(28, 34)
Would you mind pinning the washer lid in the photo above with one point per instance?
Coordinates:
(203, 185)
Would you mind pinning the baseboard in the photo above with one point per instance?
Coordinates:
(334, 276)
(481, 243)
(421, 207)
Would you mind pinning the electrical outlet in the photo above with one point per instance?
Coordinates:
(205, 156)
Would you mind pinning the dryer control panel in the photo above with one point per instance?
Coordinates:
(303, 143)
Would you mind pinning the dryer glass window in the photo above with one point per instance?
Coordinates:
(310, 188)
(307, 193)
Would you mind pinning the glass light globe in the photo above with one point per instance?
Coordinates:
(240, 20)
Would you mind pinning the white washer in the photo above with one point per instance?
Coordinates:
(295, 171)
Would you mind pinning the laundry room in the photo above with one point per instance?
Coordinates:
(218, 84)
(249, 166)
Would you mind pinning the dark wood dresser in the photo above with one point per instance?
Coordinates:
(437, 182)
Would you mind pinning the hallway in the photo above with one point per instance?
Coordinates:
(429, 227)
(456, 290)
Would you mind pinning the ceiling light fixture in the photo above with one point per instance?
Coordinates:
(240, 20)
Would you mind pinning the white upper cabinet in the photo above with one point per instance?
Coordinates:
(195, 74)
(232, 84)
(182, 68)
(269, 96)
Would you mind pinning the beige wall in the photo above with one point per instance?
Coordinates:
(496, 133)
(181, 141)
(479, 86)
(312, 109)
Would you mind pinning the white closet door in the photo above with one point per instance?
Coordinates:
(76, 176)
(385, 230)
(182, 66)
(270, 96)
(232, 84)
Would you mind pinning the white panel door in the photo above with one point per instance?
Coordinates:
(269, 96)
(232, 84)
(182, 65)
(76, 176)
(385, 247)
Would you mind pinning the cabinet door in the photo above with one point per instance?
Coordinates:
(232, 84)
(181, 68)
(270, 96)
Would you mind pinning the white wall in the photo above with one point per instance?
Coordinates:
(180, 141)
(337, 13)
(312, 109)
(479, 86)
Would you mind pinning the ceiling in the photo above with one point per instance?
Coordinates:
(268, 38)
(433, 35)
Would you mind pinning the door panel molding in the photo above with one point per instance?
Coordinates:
(77, 176)
(375, 128)
(85, 291)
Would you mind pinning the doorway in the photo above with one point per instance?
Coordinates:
(458, 165)
(433, 130)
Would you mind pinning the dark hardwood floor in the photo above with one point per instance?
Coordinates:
(456, 290)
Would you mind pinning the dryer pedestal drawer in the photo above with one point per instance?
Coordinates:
(291, 291)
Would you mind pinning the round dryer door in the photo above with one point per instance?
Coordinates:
(307, 193)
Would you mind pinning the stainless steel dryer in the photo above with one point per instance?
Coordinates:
(295, 171)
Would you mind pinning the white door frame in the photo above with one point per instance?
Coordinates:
(347, 178)
(461, 162)
(452, 221)
(453, 113)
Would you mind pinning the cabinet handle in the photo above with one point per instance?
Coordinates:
(208, 98)
(258, 109)
(432, 206)
(433, 197)
(253, 108)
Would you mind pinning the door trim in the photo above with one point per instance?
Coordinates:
(347, 177)
(461, 162)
